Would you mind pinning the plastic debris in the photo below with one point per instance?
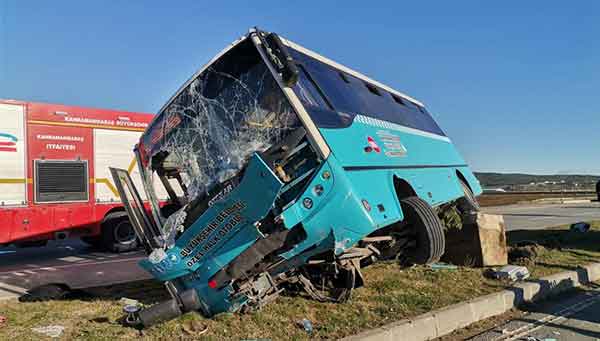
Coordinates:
(129, 301)
(307, 325)
(3, 320)
(442, 266)
(50, 331)
(512, 273)
(580, 227)
(549, 339)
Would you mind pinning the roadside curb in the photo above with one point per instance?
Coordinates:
(448, 319)
(9, 292)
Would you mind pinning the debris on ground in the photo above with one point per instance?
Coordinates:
(194, 328)
(2, 321)
(50, 331)
(524, 254)
(511, 273)
(128, 301)
(442, 266)
(307, 325)
(580, 227)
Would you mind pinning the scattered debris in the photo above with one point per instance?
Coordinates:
(132, 317)
(194, 328)
(549, 339)
(511, 273)
(580, 227)
(2, 321)
(442, 266)
(307, 325)
(555, 332)
(50, 331)
(524, 254)
(129, 301)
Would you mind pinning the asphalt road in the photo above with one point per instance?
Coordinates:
(540, 216)
(573, 317)
(69, 262)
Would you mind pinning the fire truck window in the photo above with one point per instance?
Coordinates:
(61, 181)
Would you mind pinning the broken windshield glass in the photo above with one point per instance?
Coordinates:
(209, 130)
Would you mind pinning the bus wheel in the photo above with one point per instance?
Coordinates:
(427, 231)
(467, 203)
(118, 234)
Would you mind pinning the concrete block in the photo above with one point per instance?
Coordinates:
(593, 271)
(488, 306)
(377, 334)
(529, 290)
(480, 242)
(453, 317)
(510, 299)
(559, 282)
(420, 328)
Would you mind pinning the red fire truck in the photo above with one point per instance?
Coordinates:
(54, 176)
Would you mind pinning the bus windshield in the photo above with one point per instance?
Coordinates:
(205, 135)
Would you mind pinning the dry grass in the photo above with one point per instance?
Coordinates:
(509, 199)
(390, 294)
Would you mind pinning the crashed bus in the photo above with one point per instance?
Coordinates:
(287, 171)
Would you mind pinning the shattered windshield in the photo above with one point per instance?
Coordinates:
(207, 133)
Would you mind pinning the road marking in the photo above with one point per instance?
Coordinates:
(553, 318)
(82, 264)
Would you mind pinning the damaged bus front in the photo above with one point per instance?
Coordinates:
(286, 170)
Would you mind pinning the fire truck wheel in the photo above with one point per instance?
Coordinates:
(427, 231)
(467, 203)
(118, 234)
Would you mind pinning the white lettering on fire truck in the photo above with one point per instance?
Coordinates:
(60, 138)
(121, 122)
(57, 146)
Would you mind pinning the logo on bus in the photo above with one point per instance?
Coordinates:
(8, 142)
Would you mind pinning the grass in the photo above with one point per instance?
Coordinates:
(513, 198)
(390, 294)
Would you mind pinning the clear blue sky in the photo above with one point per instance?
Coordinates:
(515, 84)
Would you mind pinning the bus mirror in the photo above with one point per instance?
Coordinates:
(282, 60)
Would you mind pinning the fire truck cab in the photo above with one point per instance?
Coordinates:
(54, 176)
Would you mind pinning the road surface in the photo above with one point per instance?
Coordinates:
(574, 317)
(70, 262)
(540, 216)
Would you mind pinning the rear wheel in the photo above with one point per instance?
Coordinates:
(426, 230)
(118, 234)
(467, 203)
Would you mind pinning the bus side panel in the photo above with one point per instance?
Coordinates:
(379, 151)
(13, 178)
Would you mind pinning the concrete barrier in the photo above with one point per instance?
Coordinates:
(448, 319)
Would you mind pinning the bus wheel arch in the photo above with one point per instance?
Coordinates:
(468, 202)
(403, 188)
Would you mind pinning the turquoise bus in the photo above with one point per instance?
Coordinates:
(286, 170)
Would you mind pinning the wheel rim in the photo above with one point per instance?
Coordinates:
(124, 233)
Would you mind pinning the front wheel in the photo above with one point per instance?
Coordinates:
(426, 230)
(118, 234)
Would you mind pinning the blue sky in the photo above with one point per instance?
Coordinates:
(515, 84)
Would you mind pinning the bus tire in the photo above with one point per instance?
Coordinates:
(118, 234)
(427, 229)
(467, 203)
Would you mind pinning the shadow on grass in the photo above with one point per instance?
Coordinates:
(558, 239)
